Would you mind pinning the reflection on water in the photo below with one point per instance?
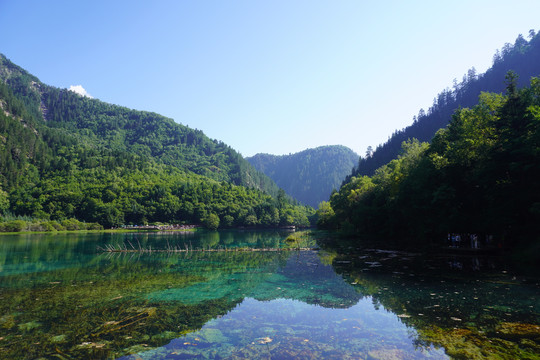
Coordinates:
(474, 307)
(291, 329)
(61, 298)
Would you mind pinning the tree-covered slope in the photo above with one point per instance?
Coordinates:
(523, 57)
(64, 156)
(138, 132)
(478, 176)
(310, 175)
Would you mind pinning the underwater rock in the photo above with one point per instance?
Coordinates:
(211, 336)
(265, 340)
(404, 316)
(389, 354)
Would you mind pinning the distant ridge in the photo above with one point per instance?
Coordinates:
(308, 176)
(523, 57)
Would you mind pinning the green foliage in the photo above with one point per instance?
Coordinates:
(478, 176)
(521, 57)
(211, 221)
(4, 201)
(160, 193)
(64, 157)
(325, 215)
(18, 225)
(12, 226)
(310, 175)
(149, 135)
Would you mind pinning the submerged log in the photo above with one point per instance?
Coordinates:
(125, 249)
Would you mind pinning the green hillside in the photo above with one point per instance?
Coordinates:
(310, 175)
(522, 57)
(140, 133)
(479, 176)
(67, 156)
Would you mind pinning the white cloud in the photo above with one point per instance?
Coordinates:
(80, 90)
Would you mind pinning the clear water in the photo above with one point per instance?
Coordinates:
(63, 298)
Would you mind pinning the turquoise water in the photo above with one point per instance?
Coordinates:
(63, 298)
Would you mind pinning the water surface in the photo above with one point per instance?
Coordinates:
(60, 297)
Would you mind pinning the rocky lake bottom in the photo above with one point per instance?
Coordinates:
(61, 297)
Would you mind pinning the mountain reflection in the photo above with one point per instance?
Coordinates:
(299, 308)
(76, 302)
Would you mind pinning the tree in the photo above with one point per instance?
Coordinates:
(4, 201)
(369, 151)
(251, 220)
(281, 199)
(228, 221)
(325, 215)
(211, 221)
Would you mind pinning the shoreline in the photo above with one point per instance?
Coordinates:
(95, 231)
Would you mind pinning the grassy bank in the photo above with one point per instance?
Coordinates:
(37, 226)
(89, 231)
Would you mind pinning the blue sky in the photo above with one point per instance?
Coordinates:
(265, 76)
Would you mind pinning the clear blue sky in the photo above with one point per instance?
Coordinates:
(265, 76)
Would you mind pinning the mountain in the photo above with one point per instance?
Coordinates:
(478, 179)
(141, 133)
(64, 156)
(523, 57)
(310, 175)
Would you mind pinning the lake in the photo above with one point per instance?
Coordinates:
(63, 297)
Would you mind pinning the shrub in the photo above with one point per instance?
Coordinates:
(211, 222)
(14, 226)
(94, 226)
(55, 226)
(72, 224)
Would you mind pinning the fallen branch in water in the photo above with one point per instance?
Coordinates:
(124, 249)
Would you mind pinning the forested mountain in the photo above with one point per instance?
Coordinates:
(67, 156)
(310, 175)
(478, 176)
(523, 57)
(140, 133)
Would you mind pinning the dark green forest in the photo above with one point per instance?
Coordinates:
(308, 176)
(478, 176)
(64, 156)
(520, 57)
